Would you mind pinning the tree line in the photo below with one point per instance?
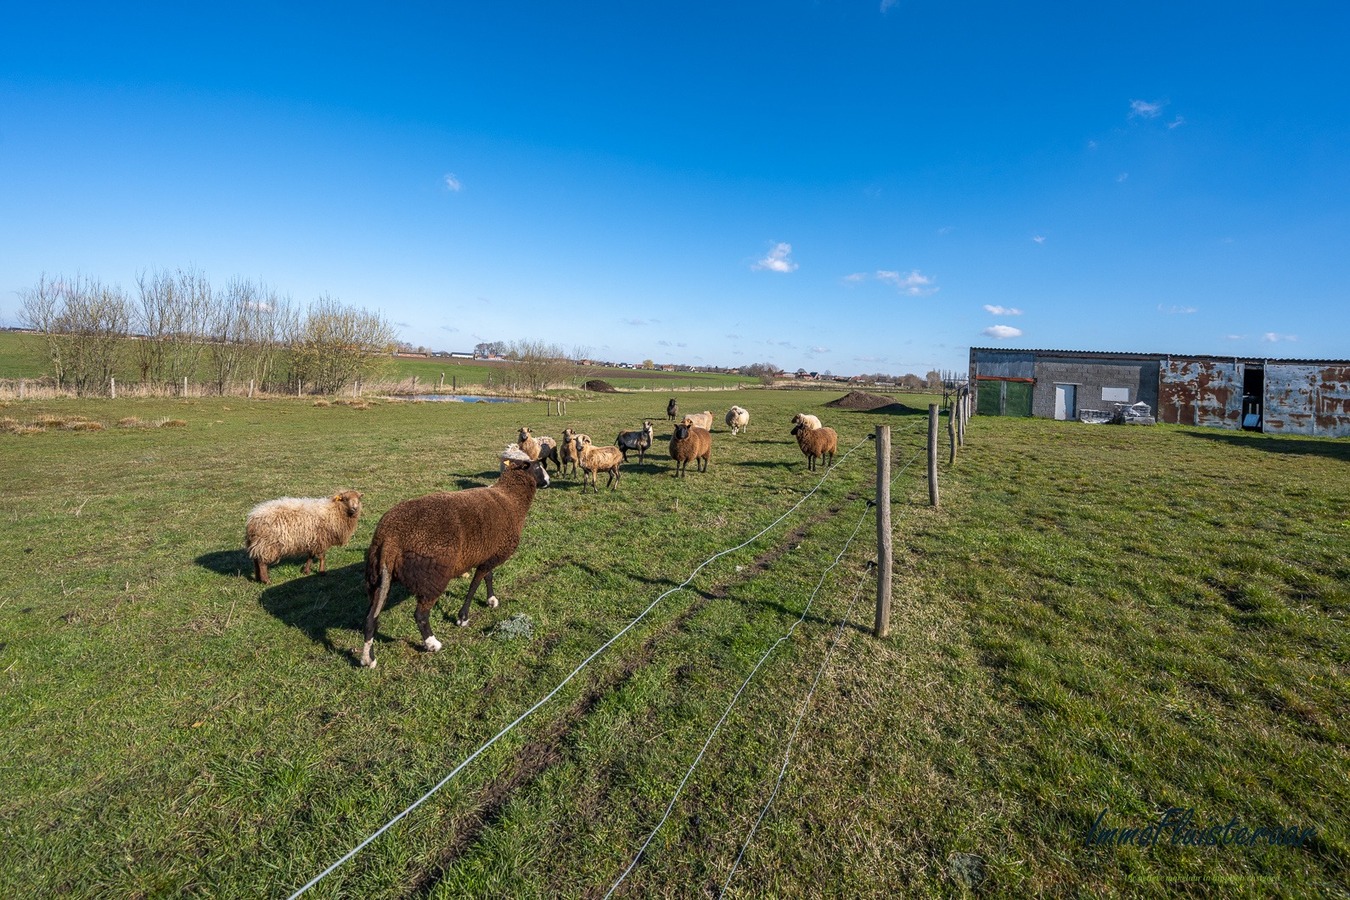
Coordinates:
(179, 326)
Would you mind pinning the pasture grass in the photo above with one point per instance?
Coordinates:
(1097, 618)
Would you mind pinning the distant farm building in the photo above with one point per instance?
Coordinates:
(1276, 396)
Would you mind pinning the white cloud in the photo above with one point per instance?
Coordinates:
(1177, 310)
(819, 350)
(1272, 337)
(777, 260)
(452, 182)
(912, 284)
(1145, 110)
(1002, 332)
(887, 4)
(1176, 123)
(1038, 238)
(1002, 310)
(855, 277)
(1235, 337)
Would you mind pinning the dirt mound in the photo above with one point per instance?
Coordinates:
(860, 400)
(600, 387)
(864, 402)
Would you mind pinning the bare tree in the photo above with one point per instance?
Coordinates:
(539, 364)
(175, 317)
(337, 345)
(85, 324)
(39, 309)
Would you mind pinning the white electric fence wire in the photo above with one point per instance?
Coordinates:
(549, 696)
(716, 728)
(792, 738)
(806, 704)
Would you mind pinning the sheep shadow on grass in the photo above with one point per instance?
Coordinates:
(227, 562)
(319, 605)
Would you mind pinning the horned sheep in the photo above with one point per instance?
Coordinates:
(816, 443)
(738, 419)
(635, 440)
(702, 420)
(594, 460)
(425, 542)
(299, 526)
(690, 443)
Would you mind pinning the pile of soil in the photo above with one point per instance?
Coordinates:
(858, 400)
(600, 387)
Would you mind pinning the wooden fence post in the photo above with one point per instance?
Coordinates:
(23, 388)
(250, 389)
(961, 423)
(882, 626)
(932, 454)
(951, 433)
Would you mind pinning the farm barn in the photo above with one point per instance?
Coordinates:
(1275, 396)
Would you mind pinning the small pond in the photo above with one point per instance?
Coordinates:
(465, 398)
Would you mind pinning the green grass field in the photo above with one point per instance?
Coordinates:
(1097, 619)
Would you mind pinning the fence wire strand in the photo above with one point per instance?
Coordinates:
(731, 705)
(792, 738)
(587, 661)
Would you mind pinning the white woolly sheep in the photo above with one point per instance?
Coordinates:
(635, 440)
(690, 443)
(806, 419)
(542, 448)
(425, 542)
(738, 419)
(816, 443)
(594, 460)
(299, 526)
(702, 420)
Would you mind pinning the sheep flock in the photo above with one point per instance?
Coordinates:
(425, 542)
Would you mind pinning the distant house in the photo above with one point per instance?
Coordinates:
(1276, 396)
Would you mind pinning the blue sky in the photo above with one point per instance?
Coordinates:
(837, 186)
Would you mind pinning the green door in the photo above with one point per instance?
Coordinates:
(989, 400)
(1017, 398)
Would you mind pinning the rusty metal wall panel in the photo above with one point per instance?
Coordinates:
(1307, 400)
(1333, 401)
(1200, 392)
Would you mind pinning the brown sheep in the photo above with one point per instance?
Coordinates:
(425, 542)
(598, 459)
(690, 443)
(567, 450)
(816, 443)
(542, 448)
(299, 526)
(702, 420)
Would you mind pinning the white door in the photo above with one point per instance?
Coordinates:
(1066, 406)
